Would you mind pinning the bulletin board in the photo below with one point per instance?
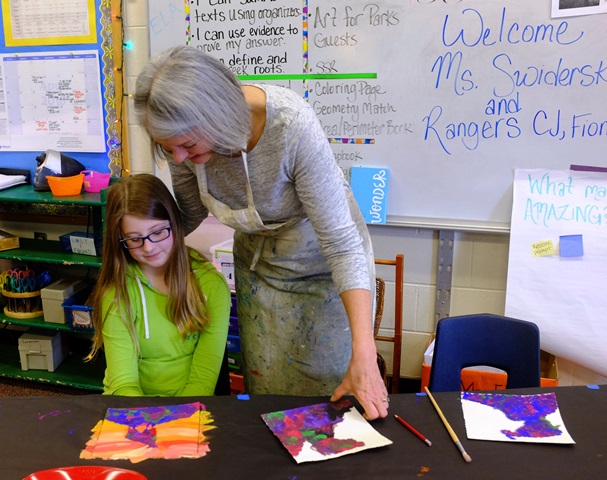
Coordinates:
(58, 84)
(451, 96)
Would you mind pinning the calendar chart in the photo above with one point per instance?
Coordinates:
(53, 101)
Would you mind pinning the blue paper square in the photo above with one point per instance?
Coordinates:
(571, 246)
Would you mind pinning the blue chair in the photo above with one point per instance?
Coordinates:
(485, 339)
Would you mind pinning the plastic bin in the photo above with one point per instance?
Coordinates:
(78, 315)
(233, 306)
(233, 326)
(65, 186)
(235, 362)
(95, 181)
(223, 259)
(41, 351)
(81, 242)
(233, 343)
(55, 294)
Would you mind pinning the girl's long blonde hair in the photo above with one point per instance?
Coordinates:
(145, 196)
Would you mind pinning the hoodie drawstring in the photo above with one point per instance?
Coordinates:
(145, 309)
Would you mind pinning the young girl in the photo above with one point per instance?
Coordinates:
(160, 310)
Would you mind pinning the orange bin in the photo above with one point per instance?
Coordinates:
(66, 186)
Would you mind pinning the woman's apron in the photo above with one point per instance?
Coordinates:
(294, 332)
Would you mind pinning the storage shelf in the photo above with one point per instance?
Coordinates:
(26, 194)
(73, 371)
(37, 322)
(48, 251)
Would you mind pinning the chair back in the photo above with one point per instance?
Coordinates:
(506, 343)
(397, 339)
(380, 289)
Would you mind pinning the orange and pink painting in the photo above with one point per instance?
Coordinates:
(136, 434)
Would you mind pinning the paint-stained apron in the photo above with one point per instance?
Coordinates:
(295, 335)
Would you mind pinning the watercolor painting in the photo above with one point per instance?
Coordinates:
(136, 434)
(514, 418)
(323, 431)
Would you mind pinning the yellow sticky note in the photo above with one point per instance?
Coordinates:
(543, 248)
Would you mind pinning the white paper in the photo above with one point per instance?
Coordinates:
(49, 18)
(7, 181)
(354, 426)
(514, 418)
(83, 245)
(564, 296)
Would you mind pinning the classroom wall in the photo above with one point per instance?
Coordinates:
(480, 260)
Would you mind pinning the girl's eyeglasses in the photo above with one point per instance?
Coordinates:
(154, 237)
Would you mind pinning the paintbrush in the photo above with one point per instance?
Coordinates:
(448, 427)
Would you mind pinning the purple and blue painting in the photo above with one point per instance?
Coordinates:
(323, 431)
(522, 418)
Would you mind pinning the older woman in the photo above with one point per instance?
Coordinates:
(256, 157)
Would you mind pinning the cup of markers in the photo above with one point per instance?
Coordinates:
(21, 291)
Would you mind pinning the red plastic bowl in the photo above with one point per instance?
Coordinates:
(86, 473)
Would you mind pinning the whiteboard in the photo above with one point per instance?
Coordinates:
(451, 96)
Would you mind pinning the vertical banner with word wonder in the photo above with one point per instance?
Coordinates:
(370, 187)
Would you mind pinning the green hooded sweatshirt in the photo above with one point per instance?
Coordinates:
(169, 365)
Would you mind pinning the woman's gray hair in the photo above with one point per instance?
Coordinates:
(185, 92)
